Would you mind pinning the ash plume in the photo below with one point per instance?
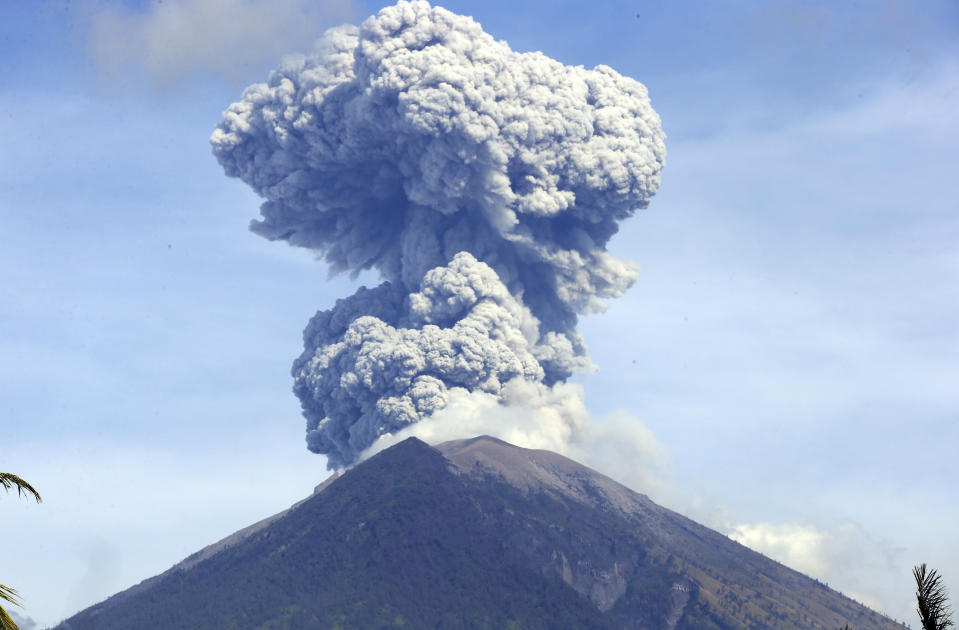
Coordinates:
(482, 184)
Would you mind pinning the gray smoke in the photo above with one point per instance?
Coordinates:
(483, 184)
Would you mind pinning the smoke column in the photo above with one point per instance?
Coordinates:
(481, 183)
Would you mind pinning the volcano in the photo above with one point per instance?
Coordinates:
(476, 533)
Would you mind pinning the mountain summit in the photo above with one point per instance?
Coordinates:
(476, 534)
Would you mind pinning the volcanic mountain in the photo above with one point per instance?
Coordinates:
(476, 534)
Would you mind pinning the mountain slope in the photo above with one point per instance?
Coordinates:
(719, 582)
(476, 534)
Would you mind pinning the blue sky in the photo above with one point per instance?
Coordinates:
(792, 341)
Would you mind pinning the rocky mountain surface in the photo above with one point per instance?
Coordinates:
(476, 534)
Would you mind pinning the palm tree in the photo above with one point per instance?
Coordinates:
(10, 595)
(9, 481)
(932, 599)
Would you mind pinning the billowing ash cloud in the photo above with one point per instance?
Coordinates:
(483, 184)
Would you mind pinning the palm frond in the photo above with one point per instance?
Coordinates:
(10, 594)
(932, 601)
(6, 623)
(9, 480)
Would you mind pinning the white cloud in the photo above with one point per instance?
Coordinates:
(845, 557)
(176, 39)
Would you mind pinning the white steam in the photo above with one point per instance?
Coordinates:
(483, 184)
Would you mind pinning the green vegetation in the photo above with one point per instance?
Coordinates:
(9, 481)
